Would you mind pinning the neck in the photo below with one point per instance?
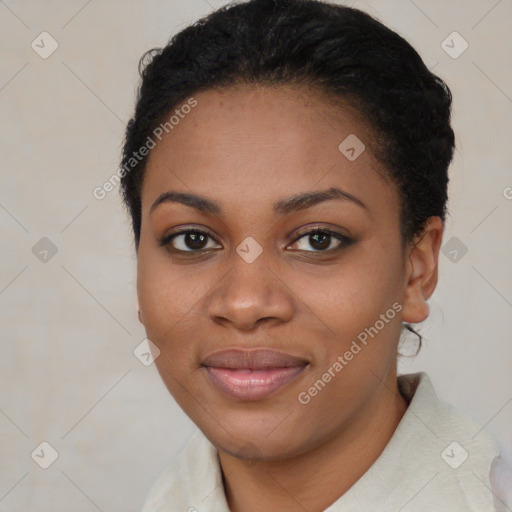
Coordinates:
(315, 479)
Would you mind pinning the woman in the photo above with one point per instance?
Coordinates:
(286, 176)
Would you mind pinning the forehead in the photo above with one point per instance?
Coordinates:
(263, 144)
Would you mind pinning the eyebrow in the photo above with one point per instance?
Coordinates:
(282, 207)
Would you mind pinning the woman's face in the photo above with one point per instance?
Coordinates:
(257, 280)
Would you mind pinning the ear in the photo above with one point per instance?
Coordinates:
(139, 313)
(422, 271)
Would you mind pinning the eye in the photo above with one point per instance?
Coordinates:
(322, 240)
(197, 241)
(187, 240)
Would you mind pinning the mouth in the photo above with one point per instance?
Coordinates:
(252, 375)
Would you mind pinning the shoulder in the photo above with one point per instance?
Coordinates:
(450, 446)
(192, 480)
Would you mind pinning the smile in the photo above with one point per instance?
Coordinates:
(252, 384)
(254, 374)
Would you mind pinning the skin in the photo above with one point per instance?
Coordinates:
(246, 148)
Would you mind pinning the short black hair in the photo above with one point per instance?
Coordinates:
(332, 48)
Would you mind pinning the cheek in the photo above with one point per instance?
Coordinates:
(354, 294)
(163, 297)
(170, 299)
(360, 305)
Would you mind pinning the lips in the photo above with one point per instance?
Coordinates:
(252, 375)
(252, 359)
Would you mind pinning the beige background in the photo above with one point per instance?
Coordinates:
(69, 325)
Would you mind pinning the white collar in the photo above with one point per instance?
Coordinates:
(418, 469)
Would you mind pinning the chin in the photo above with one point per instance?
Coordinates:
(255, 444)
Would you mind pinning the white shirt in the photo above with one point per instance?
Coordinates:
(438, 460)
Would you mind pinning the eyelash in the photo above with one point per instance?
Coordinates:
(344, 240)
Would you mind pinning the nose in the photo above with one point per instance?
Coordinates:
(251, 294)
